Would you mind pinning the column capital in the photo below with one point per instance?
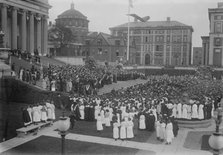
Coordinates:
(15, 8)
(4, 5)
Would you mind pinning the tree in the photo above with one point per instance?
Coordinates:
(61, 35)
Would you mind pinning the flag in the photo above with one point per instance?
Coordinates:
(131, 3)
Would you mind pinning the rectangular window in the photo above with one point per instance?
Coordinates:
(100, 51)
(99, 41)
(167, 47)
(185, 38)
(168, 38)
(159, 47)
(117, 42)
(217, 41)
(217, 27)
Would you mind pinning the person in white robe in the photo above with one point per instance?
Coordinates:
(169, 132)
(129, 128)
(107, 118)
(142, 124)
(40, 111)
(102, 112)
(200, 111)
(153, 109)
(123, 130)
(179, 110)
(53, 85)
(174, 110)
(30, 111)
(96, 111)
(110, 113)
(116, 130)
(49, 111)
(189, 109)
(81, 109)
(184, 115)
(44, 113)
(36, 115)
(53, 111)
(194, 111)
(99, 123)
(162, 131)
(158, 128)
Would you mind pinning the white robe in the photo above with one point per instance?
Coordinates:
(99, 124)
(53, 111)
(179, 110)
(36, 114)
(44, 113)
(116, 130)
(81, 109)
(158, 126)
(96, 111)
(129, 130)
(107, 119)
(169, 132)
(123, 130)
(201, 111)
(194, 111)
(30, 111)
(184, 111)
(49, 110)
(162, 131)
(142, 124)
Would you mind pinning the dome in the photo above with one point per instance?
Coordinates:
(72, 13)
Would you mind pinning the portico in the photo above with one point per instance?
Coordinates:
(24, 24)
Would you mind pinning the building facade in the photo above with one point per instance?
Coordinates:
(205, 50)
(197, 56)
(107, 48)
(24, 24)
(215, 56)
(159, 42)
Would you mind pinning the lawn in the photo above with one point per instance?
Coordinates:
(89, 128)
(52, 146)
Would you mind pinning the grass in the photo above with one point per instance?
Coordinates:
(89, 128)
(52, 146)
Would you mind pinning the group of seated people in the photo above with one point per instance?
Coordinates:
(41, 112)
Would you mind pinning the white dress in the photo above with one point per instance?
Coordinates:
(107, 119)
(36, 114)
(194, 111)
(81, 109)
(53, 111)
(116, 130)
(201, 111)
(179, 110)
(130, 129)
(142, 124)
(30, 111)
(44, 113)
(162, 131)
(158, 126)
(96, 111)
(123, 130)
(169, 132)
(99, 124)
(102, 116)
(49, 110)
(184, 111)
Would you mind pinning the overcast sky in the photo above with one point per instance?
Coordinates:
(104, 14)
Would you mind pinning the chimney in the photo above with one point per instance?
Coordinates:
(220, 4)
(168, 19)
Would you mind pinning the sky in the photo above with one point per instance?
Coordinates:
(104, 14)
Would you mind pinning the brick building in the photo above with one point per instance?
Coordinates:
(159, 42)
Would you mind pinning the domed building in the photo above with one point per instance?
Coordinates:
(76, 21)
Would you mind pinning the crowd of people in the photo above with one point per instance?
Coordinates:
(25, 55)
(154, 106)
(82, 80)
(41, 112)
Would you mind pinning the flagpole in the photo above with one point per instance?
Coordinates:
(127, 54)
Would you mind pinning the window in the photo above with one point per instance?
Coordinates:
(117, 42)
(184, 38)
(168, 38)
(178, 38)
(117, 53)
(146, 39)
(159, 47)
(217, 41)
(100, 51)
(217, 27)
(99, 41)
(87, 42)
(167, 47)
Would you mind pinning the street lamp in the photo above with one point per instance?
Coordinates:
(63, 125)
(216, 139)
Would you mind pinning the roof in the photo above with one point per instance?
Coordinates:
(152, 24)
(72, 13)
(106, 37)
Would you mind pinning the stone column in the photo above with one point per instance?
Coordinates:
(45, 38)
(24, 27)
(4, 23)
(14, 27)
(31, 33)
(39, 34)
